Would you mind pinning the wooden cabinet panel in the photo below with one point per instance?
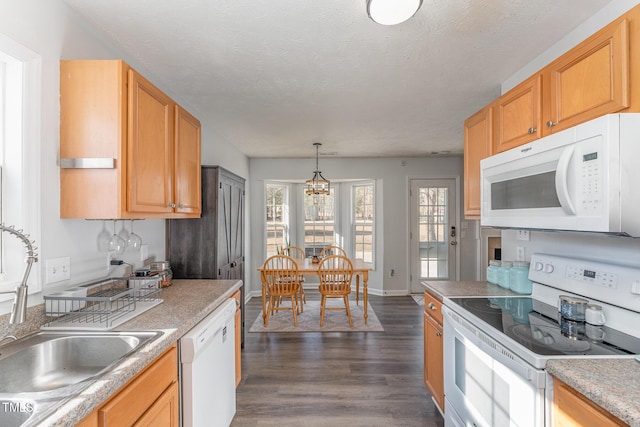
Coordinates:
(433, 307)
(164, 412)
(478, 130)
(150, 148)
(590, 80)
(238, 337)
(187, 162)
(572, 409)
(139, 395)
(108, 110)
(433, 359)
(519, 115)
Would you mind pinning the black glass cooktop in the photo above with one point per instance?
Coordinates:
(540, 328)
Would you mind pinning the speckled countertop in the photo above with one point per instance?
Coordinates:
(441, 289)
(186, 302)
(613, 384)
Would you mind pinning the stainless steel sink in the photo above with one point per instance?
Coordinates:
(48, 367)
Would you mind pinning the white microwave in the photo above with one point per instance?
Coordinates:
(586, 178)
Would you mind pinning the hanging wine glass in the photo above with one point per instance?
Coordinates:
(103, 238)
(116, 243)
(134, 242)
(123, 233)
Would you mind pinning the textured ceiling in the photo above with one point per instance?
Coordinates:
(273, 76)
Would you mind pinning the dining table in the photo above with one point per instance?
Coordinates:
(306, 267)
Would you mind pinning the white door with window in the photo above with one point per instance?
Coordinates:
(434, 237)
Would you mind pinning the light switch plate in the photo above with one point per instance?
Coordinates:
(57, 270)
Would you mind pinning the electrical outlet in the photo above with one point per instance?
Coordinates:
(520, 253)
(57, 270)
(523, 235)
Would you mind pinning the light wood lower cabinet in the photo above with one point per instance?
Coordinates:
(572, 409)
(150, 399)
(433, 349)
(238, 335)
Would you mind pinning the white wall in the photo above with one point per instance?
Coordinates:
(53, 31)
(392, 177)
(616, 250)
(605, 15)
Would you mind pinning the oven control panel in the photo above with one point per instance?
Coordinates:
(615, 284)
(589, 276)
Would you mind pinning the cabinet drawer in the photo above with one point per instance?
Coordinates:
(140, 394)
(433, 307)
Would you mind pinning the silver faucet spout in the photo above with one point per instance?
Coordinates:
(19, 309)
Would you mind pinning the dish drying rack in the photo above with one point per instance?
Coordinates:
(101, 305)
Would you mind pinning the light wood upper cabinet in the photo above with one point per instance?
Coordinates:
(590, 80)
(108, 110)
(478, 130)
(150, 147)
(187, 163)
(519, 115)
(572, 409)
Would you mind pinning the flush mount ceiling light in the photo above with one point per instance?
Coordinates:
(317, 185)
(392, 12)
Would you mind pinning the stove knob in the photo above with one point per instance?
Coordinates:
(548, 268)
(538, 266)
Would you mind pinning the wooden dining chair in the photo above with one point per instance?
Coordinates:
(332, 250)
(281, 280)
(298, 253)
(335, 273)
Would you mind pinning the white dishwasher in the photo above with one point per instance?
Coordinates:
(207, 360)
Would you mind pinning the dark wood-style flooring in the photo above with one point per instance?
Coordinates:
(347, 379)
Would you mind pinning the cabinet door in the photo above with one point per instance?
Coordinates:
(164, 412)
(187, 163)
(230, 227)
(590, 80)
(571, 409)
(519, 115)
(477, 145)
(150, 148)
(433, 360)
(138, 396)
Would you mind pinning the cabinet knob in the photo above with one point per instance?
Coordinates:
(431, 305)
(181, 206)
(532, 130)
(438, 333)
(172, 205)
(550, 124)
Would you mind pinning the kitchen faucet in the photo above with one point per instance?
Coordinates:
(19, 309)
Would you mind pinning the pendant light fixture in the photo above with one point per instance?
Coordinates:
(317, 185)
(392, 12)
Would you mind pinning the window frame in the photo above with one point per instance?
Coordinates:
(286, 207)
(354, 222)
(301, 215)
(21, 191)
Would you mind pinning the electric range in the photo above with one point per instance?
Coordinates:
(496, 348)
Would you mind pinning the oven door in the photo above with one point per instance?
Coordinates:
(485, 384)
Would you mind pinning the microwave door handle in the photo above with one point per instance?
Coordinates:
(562, 181)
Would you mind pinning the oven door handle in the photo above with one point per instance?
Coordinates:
(453, 323)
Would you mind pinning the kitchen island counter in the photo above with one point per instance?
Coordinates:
(613, 384)
(185, 304)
